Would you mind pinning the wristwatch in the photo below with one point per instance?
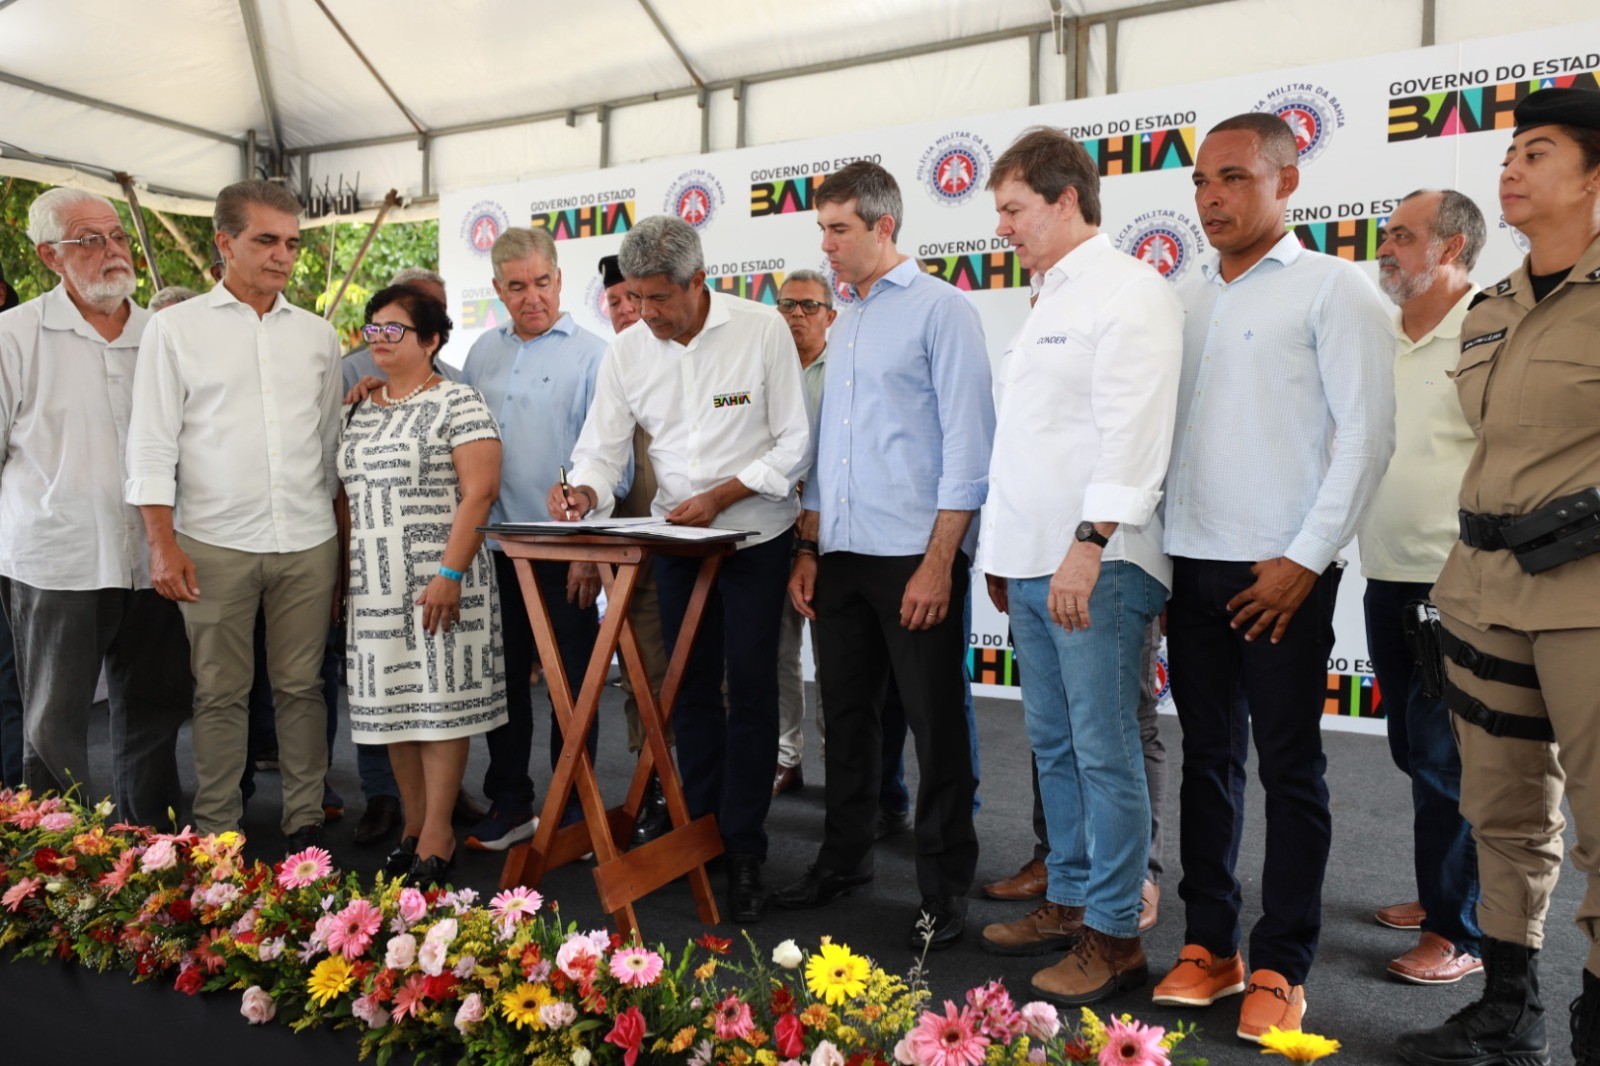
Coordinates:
(1086, 531)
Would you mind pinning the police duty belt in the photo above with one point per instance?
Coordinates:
(1561, 531)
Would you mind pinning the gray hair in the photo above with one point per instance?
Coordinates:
(662, 244)
(172, 294)
(813, 276)
(232, 212)
(1455, 214)
(44, 215)
(406, 275)
(519, 243)
(873, 188)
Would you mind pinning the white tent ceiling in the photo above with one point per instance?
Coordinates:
(423, 96)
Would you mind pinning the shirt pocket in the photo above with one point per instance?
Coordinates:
(1562, 387)
(1471, 376)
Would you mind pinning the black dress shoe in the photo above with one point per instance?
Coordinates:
(429, 872)
(401, 859)
(381, 818)
(940, 922)
(891, 823)
(747, 896)
(306, 837)
(653, 818)
(818, 887)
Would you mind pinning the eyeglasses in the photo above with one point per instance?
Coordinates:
(94, 242)
(807, 307)
(389, 331)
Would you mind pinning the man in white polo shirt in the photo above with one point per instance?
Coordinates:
(73, 575)
(231, 460)
(1429, 246)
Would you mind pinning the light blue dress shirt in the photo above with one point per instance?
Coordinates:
(907, 417)
(539, 391)
(1285, 409)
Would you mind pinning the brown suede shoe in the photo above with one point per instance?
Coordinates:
(1027, 883)
(1048, 927)
(1149, 906)
(1097, 967)
(1434, 961)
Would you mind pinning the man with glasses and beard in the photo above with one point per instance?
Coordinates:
(73, 574)
(1429, 246)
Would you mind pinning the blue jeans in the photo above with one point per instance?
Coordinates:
(10, 710)
(893, 795)
(1425, 751)
(1080, 697)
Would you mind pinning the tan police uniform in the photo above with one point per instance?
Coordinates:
(1529, 385)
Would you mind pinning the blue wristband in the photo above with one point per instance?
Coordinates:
(453, 575)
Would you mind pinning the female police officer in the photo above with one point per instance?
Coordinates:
(1519, 597)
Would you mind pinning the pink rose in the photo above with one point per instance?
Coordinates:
(413, 905)
(401, 952)
(159, 856)
(258, 1007)
(370, 1011)
(1043, 1021)
(470, 1012)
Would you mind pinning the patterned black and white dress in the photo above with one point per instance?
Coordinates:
(396, 467)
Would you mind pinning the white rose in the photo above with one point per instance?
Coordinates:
(581, 1057)
(787, 955)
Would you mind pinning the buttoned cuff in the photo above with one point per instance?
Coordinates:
(1122, 504)
(962, 495)
(595, 476)
(766, 482)
(153, 492)
(1311, 552)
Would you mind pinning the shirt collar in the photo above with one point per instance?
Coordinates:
(1286, 251)
(1449, 327)
(901, 274)
(716, 316)
(220, 296)
(563, 325)
(60, 313)
(1075, 264)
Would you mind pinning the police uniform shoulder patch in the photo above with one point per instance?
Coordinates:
(1478, 298)
(1503, 288)
(1593, 275)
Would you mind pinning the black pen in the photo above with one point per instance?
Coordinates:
(566, 492)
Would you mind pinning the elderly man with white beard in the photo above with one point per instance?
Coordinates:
(74, 576)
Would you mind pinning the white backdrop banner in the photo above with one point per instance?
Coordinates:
(1370, 131)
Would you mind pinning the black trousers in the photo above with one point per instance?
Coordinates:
(1284, 687)
(726, 750)
(859, 641)
(507, 781)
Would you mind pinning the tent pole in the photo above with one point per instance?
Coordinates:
(391, 200)
(126, 181)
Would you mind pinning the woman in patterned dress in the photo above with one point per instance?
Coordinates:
(420, 463)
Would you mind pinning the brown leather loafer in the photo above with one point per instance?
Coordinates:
(1149, 906)
(1027, 883)
(1402, 915)
(1434, 961)
(788, 779)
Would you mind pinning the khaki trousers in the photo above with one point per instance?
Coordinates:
(1511, 789)
(295, 590)
(644, 611)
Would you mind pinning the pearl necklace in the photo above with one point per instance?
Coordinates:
(392, 402)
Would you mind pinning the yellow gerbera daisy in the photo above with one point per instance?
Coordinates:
(1297, 1046)
(521, 1005)
(331, 978)
(835, 974)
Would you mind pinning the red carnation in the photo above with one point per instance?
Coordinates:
(48, 860)
(189, 981)
(181, 910)
(441, 987)
(782, 1003)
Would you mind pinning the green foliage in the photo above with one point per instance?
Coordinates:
(397, 245)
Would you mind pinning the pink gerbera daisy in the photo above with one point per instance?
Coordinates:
(408, 997)
(352, 933)
(637, 967)
(733, 1019)
(19, 892)
(951, 1039)
(1133, 1044)
(305, 868)
(514, 905)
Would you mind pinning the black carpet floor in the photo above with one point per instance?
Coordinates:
(1348, 995)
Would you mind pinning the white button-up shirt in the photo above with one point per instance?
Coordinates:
(1411, 525)
(1085, 396)
(729, 404)
(1285, 410)
(236, 423)
(65, 397)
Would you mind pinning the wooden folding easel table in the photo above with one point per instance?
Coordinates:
(621, 877)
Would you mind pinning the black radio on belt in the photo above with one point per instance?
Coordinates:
(1419, 621)
(1559, 532)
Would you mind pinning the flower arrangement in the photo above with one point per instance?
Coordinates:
(497, 982)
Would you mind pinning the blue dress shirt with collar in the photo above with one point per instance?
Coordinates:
(907, 417)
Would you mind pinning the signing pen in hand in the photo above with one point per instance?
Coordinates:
(566, 492)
